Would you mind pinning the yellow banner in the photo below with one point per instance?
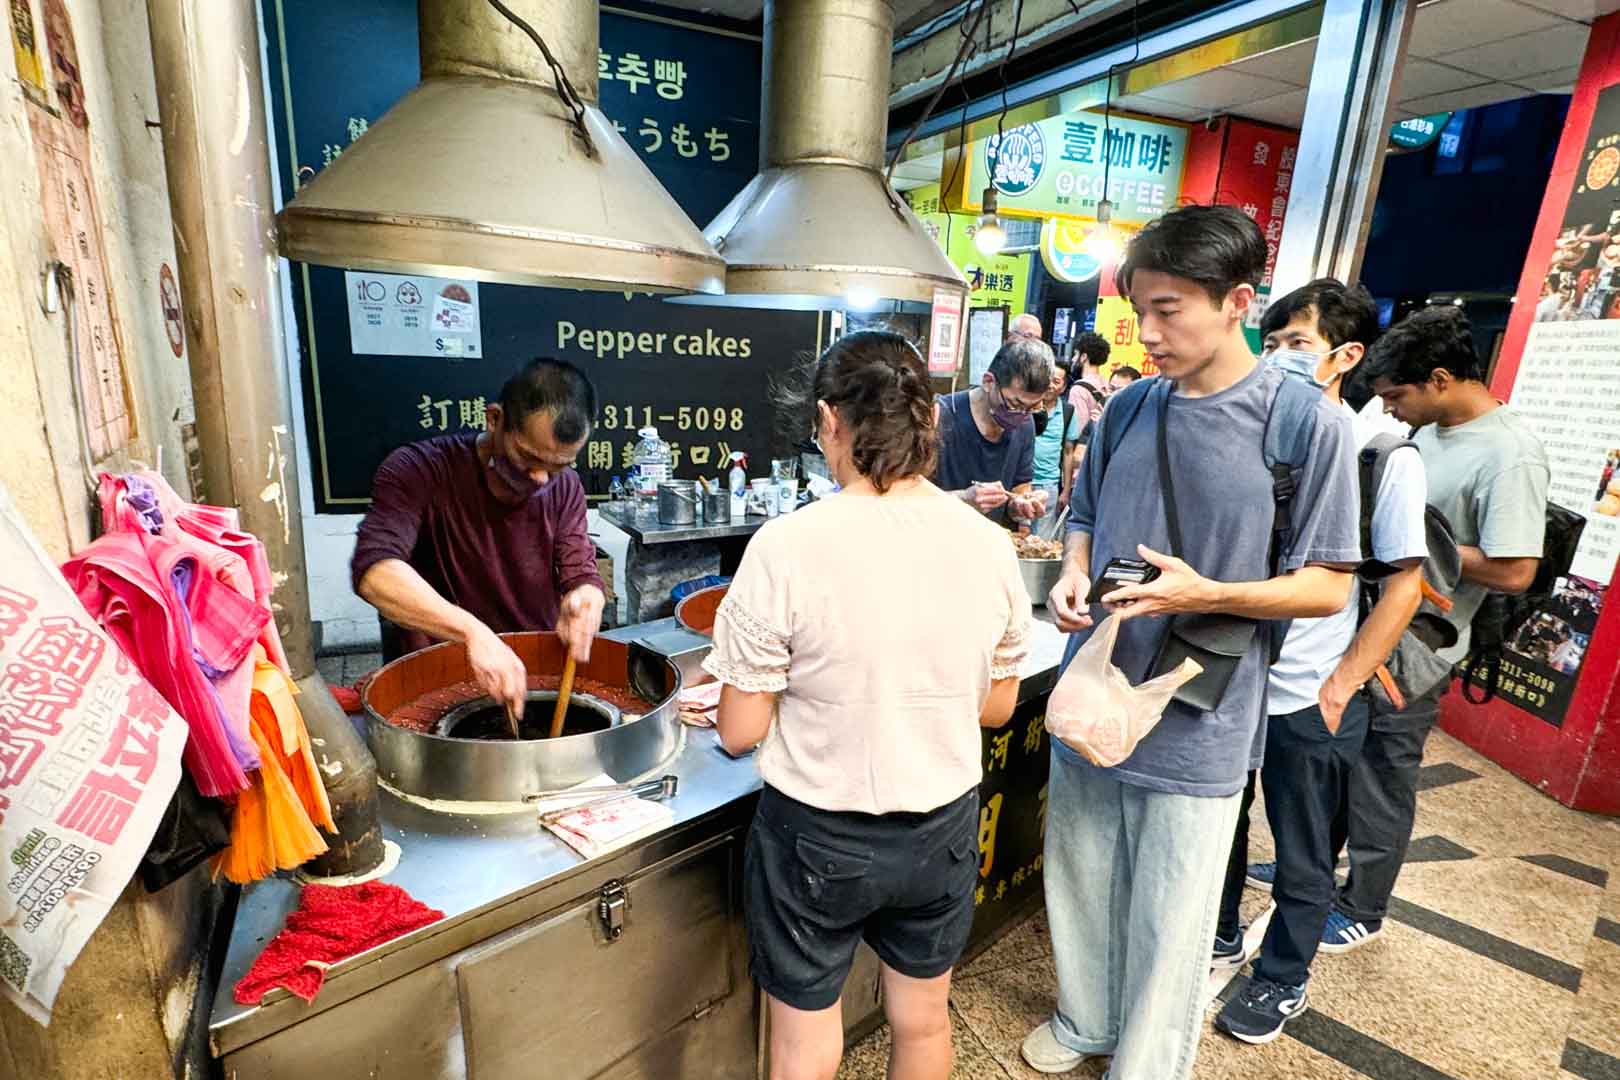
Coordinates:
(25, 45)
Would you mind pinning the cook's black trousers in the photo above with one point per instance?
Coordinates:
(1380, 804)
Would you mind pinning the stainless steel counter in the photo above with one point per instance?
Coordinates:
(490, 874)
(646, 529)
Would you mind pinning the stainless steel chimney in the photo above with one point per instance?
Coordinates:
(819, 227)
(480, 171)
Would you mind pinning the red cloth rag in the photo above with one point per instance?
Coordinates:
(332, 923)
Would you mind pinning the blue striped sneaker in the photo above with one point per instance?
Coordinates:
(1343, 934)
(1262, 875)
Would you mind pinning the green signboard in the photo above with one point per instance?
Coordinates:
(1057, 166)
(1418, 132)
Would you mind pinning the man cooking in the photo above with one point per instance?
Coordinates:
(474, 535)
(987, 438)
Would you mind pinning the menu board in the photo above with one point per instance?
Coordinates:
(387, 359)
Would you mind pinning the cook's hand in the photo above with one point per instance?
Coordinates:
(580, 619)
(1063, 500)
(985, 497)
(1178, 588)
(1029, 506)
(1067, 602)
(497, 669)
(1333, 698)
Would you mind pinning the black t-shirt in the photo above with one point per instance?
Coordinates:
(966, 457)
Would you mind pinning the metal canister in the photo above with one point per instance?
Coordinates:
(717, 505)
(677, 502)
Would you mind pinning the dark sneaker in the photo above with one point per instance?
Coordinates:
(1231, 955)
(1258, 1014)
(1343, 934)
(1262, 875)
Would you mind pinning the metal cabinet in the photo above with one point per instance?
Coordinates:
(638, 972)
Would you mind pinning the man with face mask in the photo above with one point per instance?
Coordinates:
(471, 536)
(1317, 714)
(987, 436)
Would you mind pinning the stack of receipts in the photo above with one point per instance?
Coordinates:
(597, 830)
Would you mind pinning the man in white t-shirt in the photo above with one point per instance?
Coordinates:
(1317, 712)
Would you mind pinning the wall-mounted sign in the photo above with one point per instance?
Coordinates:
(1418, 131)
(1057, 166)
(945, 332)
(1062, 250)
(409, 315)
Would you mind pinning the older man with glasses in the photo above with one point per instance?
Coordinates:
(987, 435)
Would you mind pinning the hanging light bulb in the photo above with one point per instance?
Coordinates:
(989, 237)
(1101, 244)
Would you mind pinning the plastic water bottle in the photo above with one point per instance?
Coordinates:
(652, 459)
(616, 494)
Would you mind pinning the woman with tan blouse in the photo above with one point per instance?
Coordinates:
(863, 643)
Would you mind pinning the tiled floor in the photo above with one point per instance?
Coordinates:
(1501, 960)
(345, 669)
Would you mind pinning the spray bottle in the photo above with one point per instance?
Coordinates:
(737, 484)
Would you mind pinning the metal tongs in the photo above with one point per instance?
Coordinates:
(662, 788)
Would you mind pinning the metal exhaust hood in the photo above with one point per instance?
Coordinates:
(820, 227)
(482, 171)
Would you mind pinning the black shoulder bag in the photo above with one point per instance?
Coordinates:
(1215, 641)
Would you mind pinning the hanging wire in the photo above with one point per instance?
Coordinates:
(968, 32)
(1108, 95)
(1012, 46)
(565, 88)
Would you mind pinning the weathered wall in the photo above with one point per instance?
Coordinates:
(127, 1008)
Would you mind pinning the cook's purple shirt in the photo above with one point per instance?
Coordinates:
(508, 565)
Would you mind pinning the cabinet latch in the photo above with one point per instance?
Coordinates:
(611, 904)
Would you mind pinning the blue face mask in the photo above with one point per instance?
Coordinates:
(1299, 363)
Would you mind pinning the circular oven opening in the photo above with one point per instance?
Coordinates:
(484, 719)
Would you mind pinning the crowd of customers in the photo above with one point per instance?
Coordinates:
(1297, 550)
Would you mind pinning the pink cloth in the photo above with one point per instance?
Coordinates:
(115, 580)
(186, 594)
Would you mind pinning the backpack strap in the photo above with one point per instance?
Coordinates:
(1290, 427)
(1128, 403)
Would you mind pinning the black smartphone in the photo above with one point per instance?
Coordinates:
(1121, 572)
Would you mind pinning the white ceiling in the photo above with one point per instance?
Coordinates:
(1462, 54)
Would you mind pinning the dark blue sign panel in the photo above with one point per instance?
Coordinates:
(687, 98)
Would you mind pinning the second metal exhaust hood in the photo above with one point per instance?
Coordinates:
(820, 227)
(488, 170)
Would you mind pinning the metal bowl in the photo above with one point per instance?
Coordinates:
(1039, 576)
(696, 611)
(435, 765)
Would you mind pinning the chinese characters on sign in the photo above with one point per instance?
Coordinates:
(89, 755)
(1059, 165)
(1012, 815)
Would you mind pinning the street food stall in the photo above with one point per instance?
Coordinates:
(615, 965)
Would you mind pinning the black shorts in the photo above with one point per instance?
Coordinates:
(816, 882)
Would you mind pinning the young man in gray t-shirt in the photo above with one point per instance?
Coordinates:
(1488, 474)
(1135, 853)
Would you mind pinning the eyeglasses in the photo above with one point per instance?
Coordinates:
(1014, 405)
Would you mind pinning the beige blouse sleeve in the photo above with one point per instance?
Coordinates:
(752, 629)
(1013, 649)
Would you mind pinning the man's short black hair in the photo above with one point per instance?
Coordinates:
(1028, 360)
(1343, 313)
(557, 387)
(1424, 342)
(1094, 347)
(1219, 247)
(1126, 370)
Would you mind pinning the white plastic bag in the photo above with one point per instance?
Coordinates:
(1094, 708)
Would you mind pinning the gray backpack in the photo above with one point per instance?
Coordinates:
(1415, 668)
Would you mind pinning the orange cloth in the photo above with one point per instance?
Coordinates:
(274, 824)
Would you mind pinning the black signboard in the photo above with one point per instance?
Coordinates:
(1012, 818)
(686, 97)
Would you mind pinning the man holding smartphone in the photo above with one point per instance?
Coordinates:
(1132, 951)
